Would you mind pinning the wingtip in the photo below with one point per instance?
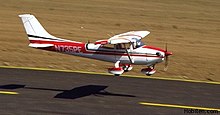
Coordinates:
(24, 15)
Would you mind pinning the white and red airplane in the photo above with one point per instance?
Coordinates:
(124, 49)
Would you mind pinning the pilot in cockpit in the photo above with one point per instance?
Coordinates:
(139, 43)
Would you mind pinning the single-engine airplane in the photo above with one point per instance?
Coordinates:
(124, 49)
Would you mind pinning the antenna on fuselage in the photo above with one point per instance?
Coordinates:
(111, 35)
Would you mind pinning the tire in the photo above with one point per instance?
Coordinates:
(117, 75)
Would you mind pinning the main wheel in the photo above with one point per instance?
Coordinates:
(148, 74)
(117, 74)
(125, 70)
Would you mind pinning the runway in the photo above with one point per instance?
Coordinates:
(25, 91)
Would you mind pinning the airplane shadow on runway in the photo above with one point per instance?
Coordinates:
(77, 92)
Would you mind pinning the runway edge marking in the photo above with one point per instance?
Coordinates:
(9, 92)
(177, 106)
(98, 73)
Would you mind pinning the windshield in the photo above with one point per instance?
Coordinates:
(139, 43)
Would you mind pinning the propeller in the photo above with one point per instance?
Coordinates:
(166, 57)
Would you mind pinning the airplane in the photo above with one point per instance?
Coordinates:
(124, 50)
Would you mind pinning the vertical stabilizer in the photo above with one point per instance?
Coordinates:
(33, 26)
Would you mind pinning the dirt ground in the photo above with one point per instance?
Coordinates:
(191, 28)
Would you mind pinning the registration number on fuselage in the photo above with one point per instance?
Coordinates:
(68, 49)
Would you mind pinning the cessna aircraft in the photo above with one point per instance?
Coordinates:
(124, 49)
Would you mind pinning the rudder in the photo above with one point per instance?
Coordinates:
(33, 27)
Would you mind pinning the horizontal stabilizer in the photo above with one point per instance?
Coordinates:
(40, 45)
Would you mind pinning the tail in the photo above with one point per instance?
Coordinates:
(36, 32)
(33, 26)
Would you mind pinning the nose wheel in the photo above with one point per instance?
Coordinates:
(149, 70)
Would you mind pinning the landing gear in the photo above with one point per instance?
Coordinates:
(148, 71)
(126, 67)
(120, 68)
(117, 75)
(117, 70)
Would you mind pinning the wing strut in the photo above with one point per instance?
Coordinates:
(131, 61)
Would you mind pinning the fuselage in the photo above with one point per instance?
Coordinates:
(144, 55)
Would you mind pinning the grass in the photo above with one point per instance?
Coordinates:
(191, 29)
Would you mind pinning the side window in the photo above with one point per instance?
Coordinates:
(123, 46)
(119, 46)
(108, 46)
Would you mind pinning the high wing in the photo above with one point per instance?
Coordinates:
(132, 36)
(128, 37)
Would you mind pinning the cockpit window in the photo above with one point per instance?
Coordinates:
(123, 46)
(139, 43)
(108, 46)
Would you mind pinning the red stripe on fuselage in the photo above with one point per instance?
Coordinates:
(58, 43)
(83, 50)
(120, 54)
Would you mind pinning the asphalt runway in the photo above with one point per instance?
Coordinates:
(26, 92)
